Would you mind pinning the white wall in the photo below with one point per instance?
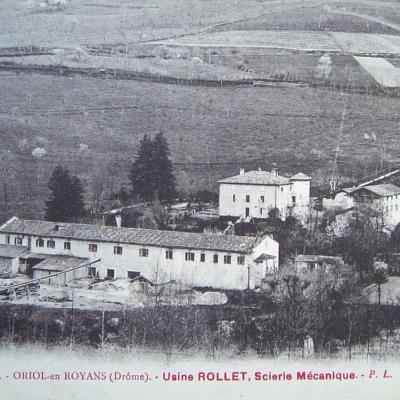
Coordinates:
(59, 280)
(157, 268)
(301, 191)
(390, 207)
(274, 197)
(341, 200)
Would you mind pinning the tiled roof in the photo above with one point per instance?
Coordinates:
(59, 263)
(347, 190)
(300, 177)
(257, 178)
(143, 237)
(382, 190)
(331, 260)
(306, 258)
(10, 251)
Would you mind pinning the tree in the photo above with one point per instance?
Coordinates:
(363, 241)
(143, 171)
(164, 179)
(380, 278)
(151, 174)
(65, 201)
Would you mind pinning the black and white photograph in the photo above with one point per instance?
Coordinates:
(200, 199)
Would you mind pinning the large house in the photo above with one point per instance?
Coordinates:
(194, 259)
(383, 199)
(381, 202)
(253, 194)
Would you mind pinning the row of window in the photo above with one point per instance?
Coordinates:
(190, 256)
(169, 254)
(262, 198)
(110, 273)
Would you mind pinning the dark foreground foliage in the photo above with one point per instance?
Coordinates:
(268, 330)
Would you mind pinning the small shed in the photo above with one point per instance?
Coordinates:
(309, 262)
(59, 263)
(9, 257)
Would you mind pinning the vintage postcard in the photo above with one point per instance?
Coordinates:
(199, 199)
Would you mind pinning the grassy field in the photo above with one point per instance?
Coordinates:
(114, 21)
(332, 16)
(93, 125)
(211, 131)
(305, 41)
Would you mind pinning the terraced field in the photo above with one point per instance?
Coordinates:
(336, 42)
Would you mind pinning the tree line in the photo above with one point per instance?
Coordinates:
(151, 178)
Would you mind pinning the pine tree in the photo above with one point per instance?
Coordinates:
(151, 174)
(142, 171)
(164, 178)
(65, 200)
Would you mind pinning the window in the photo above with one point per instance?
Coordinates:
(227, 259)
(294, 199)
(281, 188)
(261, 211)
(67, 245)
(247, 198)
(262, 198)
(51, 244)
(169, 254)
(202, 257)
(189, 256)
(118, 250)
(92, 272)
(110, 273)
(143, 252)
(39, 243)
(18, 241)
(215, 258)
(234, 198)
(92, 247)
(240, 260)
(133, 274)
(8, 239)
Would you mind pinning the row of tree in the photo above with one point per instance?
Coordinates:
(151, 178)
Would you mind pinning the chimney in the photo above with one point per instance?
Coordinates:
(118, 220)
(241, 171)
(274, 171)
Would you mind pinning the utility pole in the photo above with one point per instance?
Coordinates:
(334, 178)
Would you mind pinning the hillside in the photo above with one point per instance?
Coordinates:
(211, 131)
(62, 69)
